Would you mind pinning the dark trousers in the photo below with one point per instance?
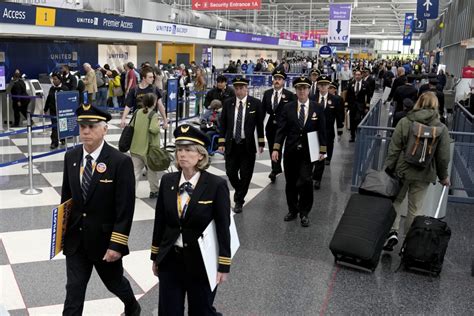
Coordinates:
(270, 133)
(239, 164)
(344, 84)
(54, 131)
(79, 269)
(299, 185)
(17, 109)
(176, 283)
(355, 117)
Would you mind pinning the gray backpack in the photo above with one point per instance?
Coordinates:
(422, 143)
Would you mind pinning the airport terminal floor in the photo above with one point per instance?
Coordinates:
(280, 268)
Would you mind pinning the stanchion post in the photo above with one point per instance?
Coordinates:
(8, 113)
(30, 190)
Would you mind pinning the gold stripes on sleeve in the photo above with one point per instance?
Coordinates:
(119, 238)
(221, 140)
(340, 129)
(224, 260)
(154, 250)
(261, 140)
(322, 149)
(276, 146)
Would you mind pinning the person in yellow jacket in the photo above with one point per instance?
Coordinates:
(114, 85)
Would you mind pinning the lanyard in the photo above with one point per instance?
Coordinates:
(181, 209)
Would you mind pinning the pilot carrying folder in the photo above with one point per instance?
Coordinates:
(59, 217)
(210, 249)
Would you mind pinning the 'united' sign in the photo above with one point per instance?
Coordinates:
(207, 5)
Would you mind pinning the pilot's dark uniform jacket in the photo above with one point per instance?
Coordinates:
(334, 113)
(295, 123)
(218, 94)
(358, 103)
(274, 102)
(240, 149)
(184, 210)
(102, 188)
(313, 90)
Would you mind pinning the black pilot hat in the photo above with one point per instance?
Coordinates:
(315, 72)
(189, 135)
(334, 85)
(240, 80)
(279, 73)
(324, 79)
(302, 81)
(88, 114)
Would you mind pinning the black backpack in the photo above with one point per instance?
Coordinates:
(426, 243)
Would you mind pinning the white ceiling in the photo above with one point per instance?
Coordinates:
(370, 18)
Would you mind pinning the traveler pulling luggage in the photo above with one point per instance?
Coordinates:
(426, 243)
(362, 230)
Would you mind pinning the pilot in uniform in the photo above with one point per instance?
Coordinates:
(240, 117)
(274, 100)
(188, 200)
(100, 182)
(299, 118)
(334, 113)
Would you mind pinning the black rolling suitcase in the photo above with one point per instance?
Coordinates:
(362, 231)
(426, 243)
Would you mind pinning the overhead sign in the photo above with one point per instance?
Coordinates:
(408, 29)
(419, 26)
(285, 42)
(98, 21)
(325, 51)
(45, 16)
(161, 28)
(2, 78)
(250, 38)
(67, 102)
(339, 23)
(207, 5)
(427, 9)
(172, 95)
(117, 55)
(75, 4)
(307, 44)
(17, 14)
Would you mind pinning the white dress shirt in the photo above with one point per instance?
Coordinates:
(184, 200)
(244, 107)
(306, 105)
(95, 154)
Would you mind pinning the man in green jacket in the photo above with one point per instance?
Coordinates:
(416, 180)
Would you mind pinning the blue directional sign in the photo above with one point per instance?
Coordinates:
(427, 9)
(419, 26)
(172, 90)
(67, 103)
(325, 51)
(408, 29)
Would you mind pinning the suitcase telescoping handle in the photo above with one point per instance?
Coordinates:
(445, 188)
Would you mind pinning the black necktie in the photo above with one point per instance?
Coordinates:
(86, 177)
(357, 87)
(301, 115)
(275, 100)
(322, 102)
(238, 124)
(313, 89)
(186, 187)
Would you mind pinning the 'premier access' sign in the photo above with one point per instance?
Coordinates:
(207, 5)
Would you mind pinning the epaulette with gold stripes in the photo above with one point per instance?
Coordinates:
(154, 250)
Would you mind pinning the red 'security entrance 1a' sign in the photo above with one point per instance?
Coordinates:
(207, 5)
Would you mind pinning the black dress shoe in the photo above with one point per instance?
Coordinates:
(290, 216)
(53, 146)
(317, 184)
(327, 162)
(304, 221)
(272, 177)
(238, 207)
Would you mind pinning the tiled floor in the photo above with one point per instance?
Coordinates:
(280, 268)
